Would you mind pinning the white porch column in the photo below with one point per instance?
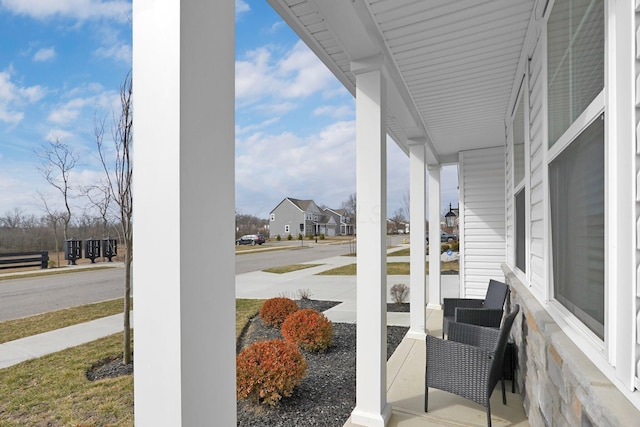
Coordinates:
(417, 200)
(371, 408)
(435, 297)
(183, 73)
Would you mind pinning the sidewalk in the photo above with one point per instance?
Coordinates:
(14, 352)
(254, 285)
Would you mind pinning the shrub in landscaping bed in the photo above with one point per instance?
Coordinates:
(309, 329)
(275, 310)
(269, 370)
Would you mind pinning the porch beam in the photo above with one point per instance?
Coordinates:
(435, 294)
(418, 216)
(372, 408)
(183, 71)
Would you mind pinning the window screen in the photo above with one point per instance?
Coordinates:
(575, 58)
(518, 143)
(576, 179)
(521, 254)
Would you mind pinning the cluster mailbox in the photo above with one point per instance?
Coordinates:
(72, 250)
(92, 249)
(109, 248)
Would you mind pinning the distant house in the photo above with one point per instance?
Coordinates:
(293, 216)
(343, 222)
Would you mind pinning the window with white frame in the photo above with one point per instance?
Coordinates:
(286, 228)
(575, 61)
(575, 84)
(519, 181)
(273, 217)
(520, 227)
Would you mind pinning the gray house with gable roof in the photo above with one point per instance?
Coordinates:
(292, 216)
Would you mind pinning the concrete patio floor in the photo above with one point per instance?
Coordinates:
(405, 391)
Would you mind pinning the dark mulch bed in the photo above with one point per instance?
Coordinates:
(109, 367)
(326, 396)
(398, 307)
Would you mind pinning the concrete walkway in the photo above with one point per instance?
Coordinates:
(254, 285)
(405, 368)
(14, 352)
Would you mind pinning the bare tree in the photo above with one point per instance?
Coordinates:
(57, 161)
(12, 219)
(53, 218)
(100, 198)
(119, 178)
(406, 205)
(350, 204)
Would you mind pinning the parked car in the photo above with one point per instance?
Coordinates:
(445, 237)
(251, 239)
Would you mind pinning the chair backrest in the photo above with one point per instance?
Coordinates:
(496, 294)
(501, 344)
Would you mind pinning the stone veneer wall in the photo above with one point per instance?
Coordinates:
(559, 384)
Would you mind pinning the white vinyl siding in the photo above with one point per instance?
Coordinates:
(537, 270)
(637, 117)
(509, 206)
(483, 211)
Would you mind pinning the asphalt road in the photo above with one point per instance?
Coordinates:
(307, 252)
(34, 295)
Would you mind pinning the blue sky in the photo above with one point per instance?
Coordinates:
(62, 63)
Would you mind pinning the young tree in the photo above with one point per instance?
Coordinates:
(119, 175)
(57, 161)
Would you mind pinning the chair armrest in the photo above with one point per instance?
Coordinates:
(477, 336)
(454, 366)
(450, 304)
(489, 317)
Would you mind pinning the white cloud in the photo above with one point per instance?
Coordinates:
(335, 111)
(82, 10)
(117, 52)
(255, 127)
(13, 96)
(275, 27)
(58, 135)
(68, 112)
(270, 167)
(297, 74)
(82, 100)
(241, 7)
(44, 54)
(304, 72)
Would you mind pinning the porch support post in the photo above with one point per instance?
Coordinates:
(371, 408)
(435, 297)
(417, 201)
(183, 71)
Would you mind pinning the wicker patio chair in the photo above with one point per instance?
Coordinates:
(486, 312)
(470, 363)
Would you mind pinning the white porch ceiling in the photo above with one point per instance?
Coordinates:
(450, 65)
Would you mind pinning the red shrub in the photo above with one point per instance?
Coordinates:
(275, 310)
(268, 370)
(309, 329)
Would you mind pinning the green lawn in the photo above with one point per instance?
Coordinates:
(290, 268)
(393, 269)
(245, 310)
(19, 328)
(53, 390)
